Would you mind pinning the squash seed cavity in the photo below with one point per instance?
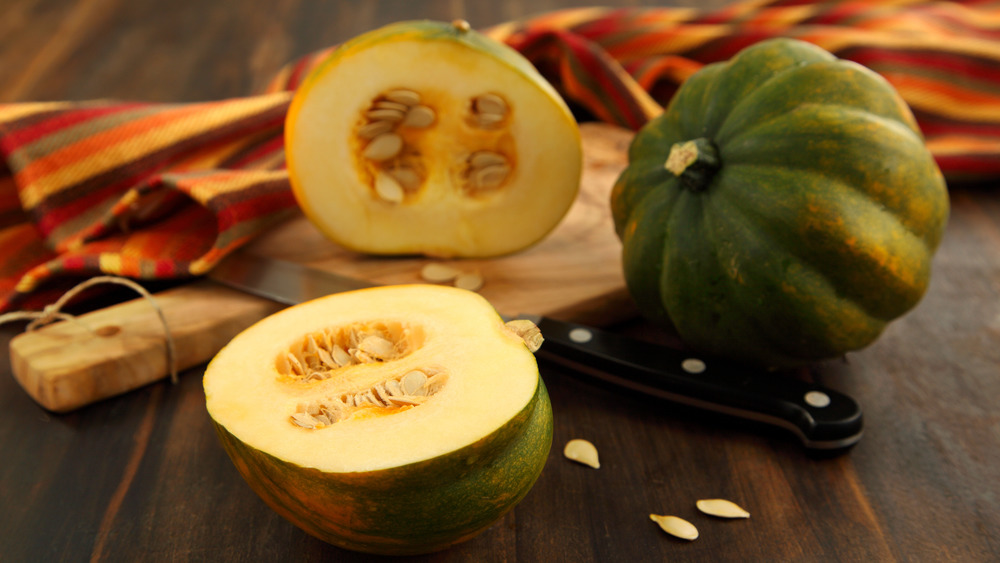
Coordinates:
(390, 132)
(582, 451)
(320, 355)
(317, 356)
(676, 526)
(403, 392)
(721, 508)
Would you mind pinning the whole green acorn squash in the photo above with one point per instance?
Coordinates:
(783, 209)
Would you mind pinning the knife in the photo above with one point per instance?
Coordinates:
(822, 419)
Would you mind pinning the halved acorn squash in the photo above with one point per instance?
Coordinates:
(429, 138)
(395, 420)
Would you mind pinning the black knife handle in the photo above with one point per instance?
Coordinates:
(822, 418)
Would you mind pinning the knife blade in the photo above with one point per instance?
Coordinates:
(823, 419)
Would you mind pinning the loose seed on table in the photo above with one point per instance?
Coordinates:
(582, 451)
(438, 273)
(722, 508)
(677, 527)
(471, 281)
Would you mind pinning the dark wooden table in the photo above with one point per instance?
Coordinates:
(142, 477)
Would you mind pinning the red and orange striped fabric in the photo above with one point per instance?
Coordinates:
(163, 191)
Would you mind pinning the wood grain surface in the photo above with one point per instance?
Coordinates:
(142, 477)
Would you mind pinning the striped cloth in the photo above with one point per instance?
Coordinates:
(155, 191)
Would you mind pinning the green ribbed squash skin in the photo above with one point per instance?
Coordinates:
(417, 508)
(816, 228)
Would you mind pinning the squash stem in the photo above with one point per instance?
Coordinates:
(694, 162)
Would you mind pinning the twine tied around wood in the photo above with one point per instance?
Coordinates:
(53, 312)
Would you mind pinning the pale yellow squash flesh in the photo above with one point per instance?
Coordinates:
(334, 183)
(492, 377)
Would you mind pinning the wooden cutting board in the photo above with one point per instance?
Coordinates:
(573, 274)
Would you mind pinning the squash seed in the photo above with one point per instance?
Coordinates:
(340, 356)
(327, 359)
(435, 383)
(722, 508)
(438, 273)
(487, 120)
(412, 382)
(582, 451)
(393, 388)
(295, 364)
(408, 400)
(389, 104)
(374, 129)
(304, 419)
(490, 104)
(675, 526)
(489, 177)
(381, 393)
(482, 159)
(403, 96)
(388, 188)
(377, 347)
(383, 147)
(528, 331)
(419, 117)
(471, 281)
(407, 177)
(391, 115)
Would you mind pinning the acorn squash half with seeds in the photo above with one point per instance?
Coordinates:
(430, 138)
(395, 420)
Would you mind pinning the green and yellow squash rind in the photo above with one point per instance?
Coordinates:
(423, 507)
(816, 229)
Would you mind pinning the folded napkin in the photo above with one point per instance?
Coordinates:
(152, 191)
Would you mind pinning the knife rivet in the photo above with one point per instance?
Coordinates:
(580, 335)
(817, 399)
(693, 365)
